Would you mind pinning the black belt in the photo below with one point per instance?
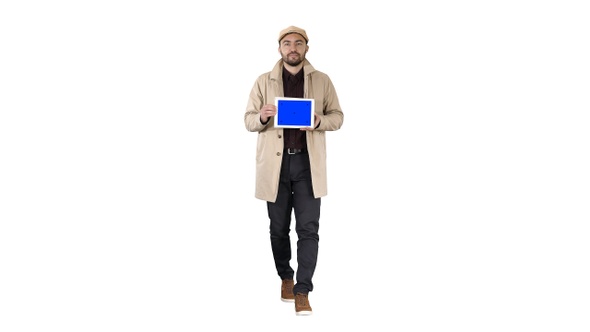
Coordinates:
(295, 151)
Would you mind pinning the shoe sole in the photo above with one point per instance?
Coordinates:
(287, 300)
(303, 313)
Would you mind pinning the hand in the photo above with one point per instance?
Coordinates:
(316, 122)
(266, 112)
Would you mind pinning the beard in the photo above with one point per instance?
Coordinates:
(293, 61)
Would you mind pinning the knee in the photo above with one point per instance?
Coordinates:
(279, 232)
(309, 231)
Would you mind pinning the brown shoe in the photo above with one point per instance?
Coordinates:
(302, 307)
(287, 291)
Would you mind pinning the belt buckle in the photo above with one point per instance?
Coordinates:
(289, 151)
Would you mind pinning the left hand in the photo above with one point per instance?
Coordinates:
(315, 123)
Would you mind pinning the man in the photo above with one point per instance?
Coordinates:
(291, 163)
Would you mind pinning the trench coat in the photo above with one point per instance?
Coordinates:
(269, 146)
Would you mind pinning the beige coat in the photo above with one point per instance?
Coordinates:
(269, 148)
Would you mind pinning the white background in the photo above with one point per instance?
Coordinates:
(458, 184)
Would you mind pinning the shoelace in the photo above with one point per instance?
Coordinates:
(301, 300)
(288, 284)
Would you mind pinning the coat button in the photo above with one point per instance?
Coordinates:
(280, 136)
(278, 153)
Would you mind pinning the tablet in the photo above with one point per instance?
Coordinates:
(294, 112)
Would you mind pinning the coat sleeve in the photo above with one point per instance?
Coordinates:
(255, 103)
(333, 117)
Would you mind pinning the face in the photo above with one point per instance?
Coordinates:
(293, 49)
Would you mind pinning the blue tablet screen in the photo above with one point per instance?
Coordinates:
(294, 113)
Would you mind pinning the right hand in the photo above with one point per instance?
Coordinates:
(267, 111)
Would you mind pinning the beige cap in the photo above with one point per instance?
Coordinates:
(293, 29)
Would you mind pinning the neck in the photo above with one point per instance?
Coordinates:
(293, 69)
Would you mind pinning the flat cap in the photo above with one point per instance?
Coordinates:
(293, 29)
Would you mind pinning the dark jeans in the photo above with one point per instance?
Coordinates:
(295, 194)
